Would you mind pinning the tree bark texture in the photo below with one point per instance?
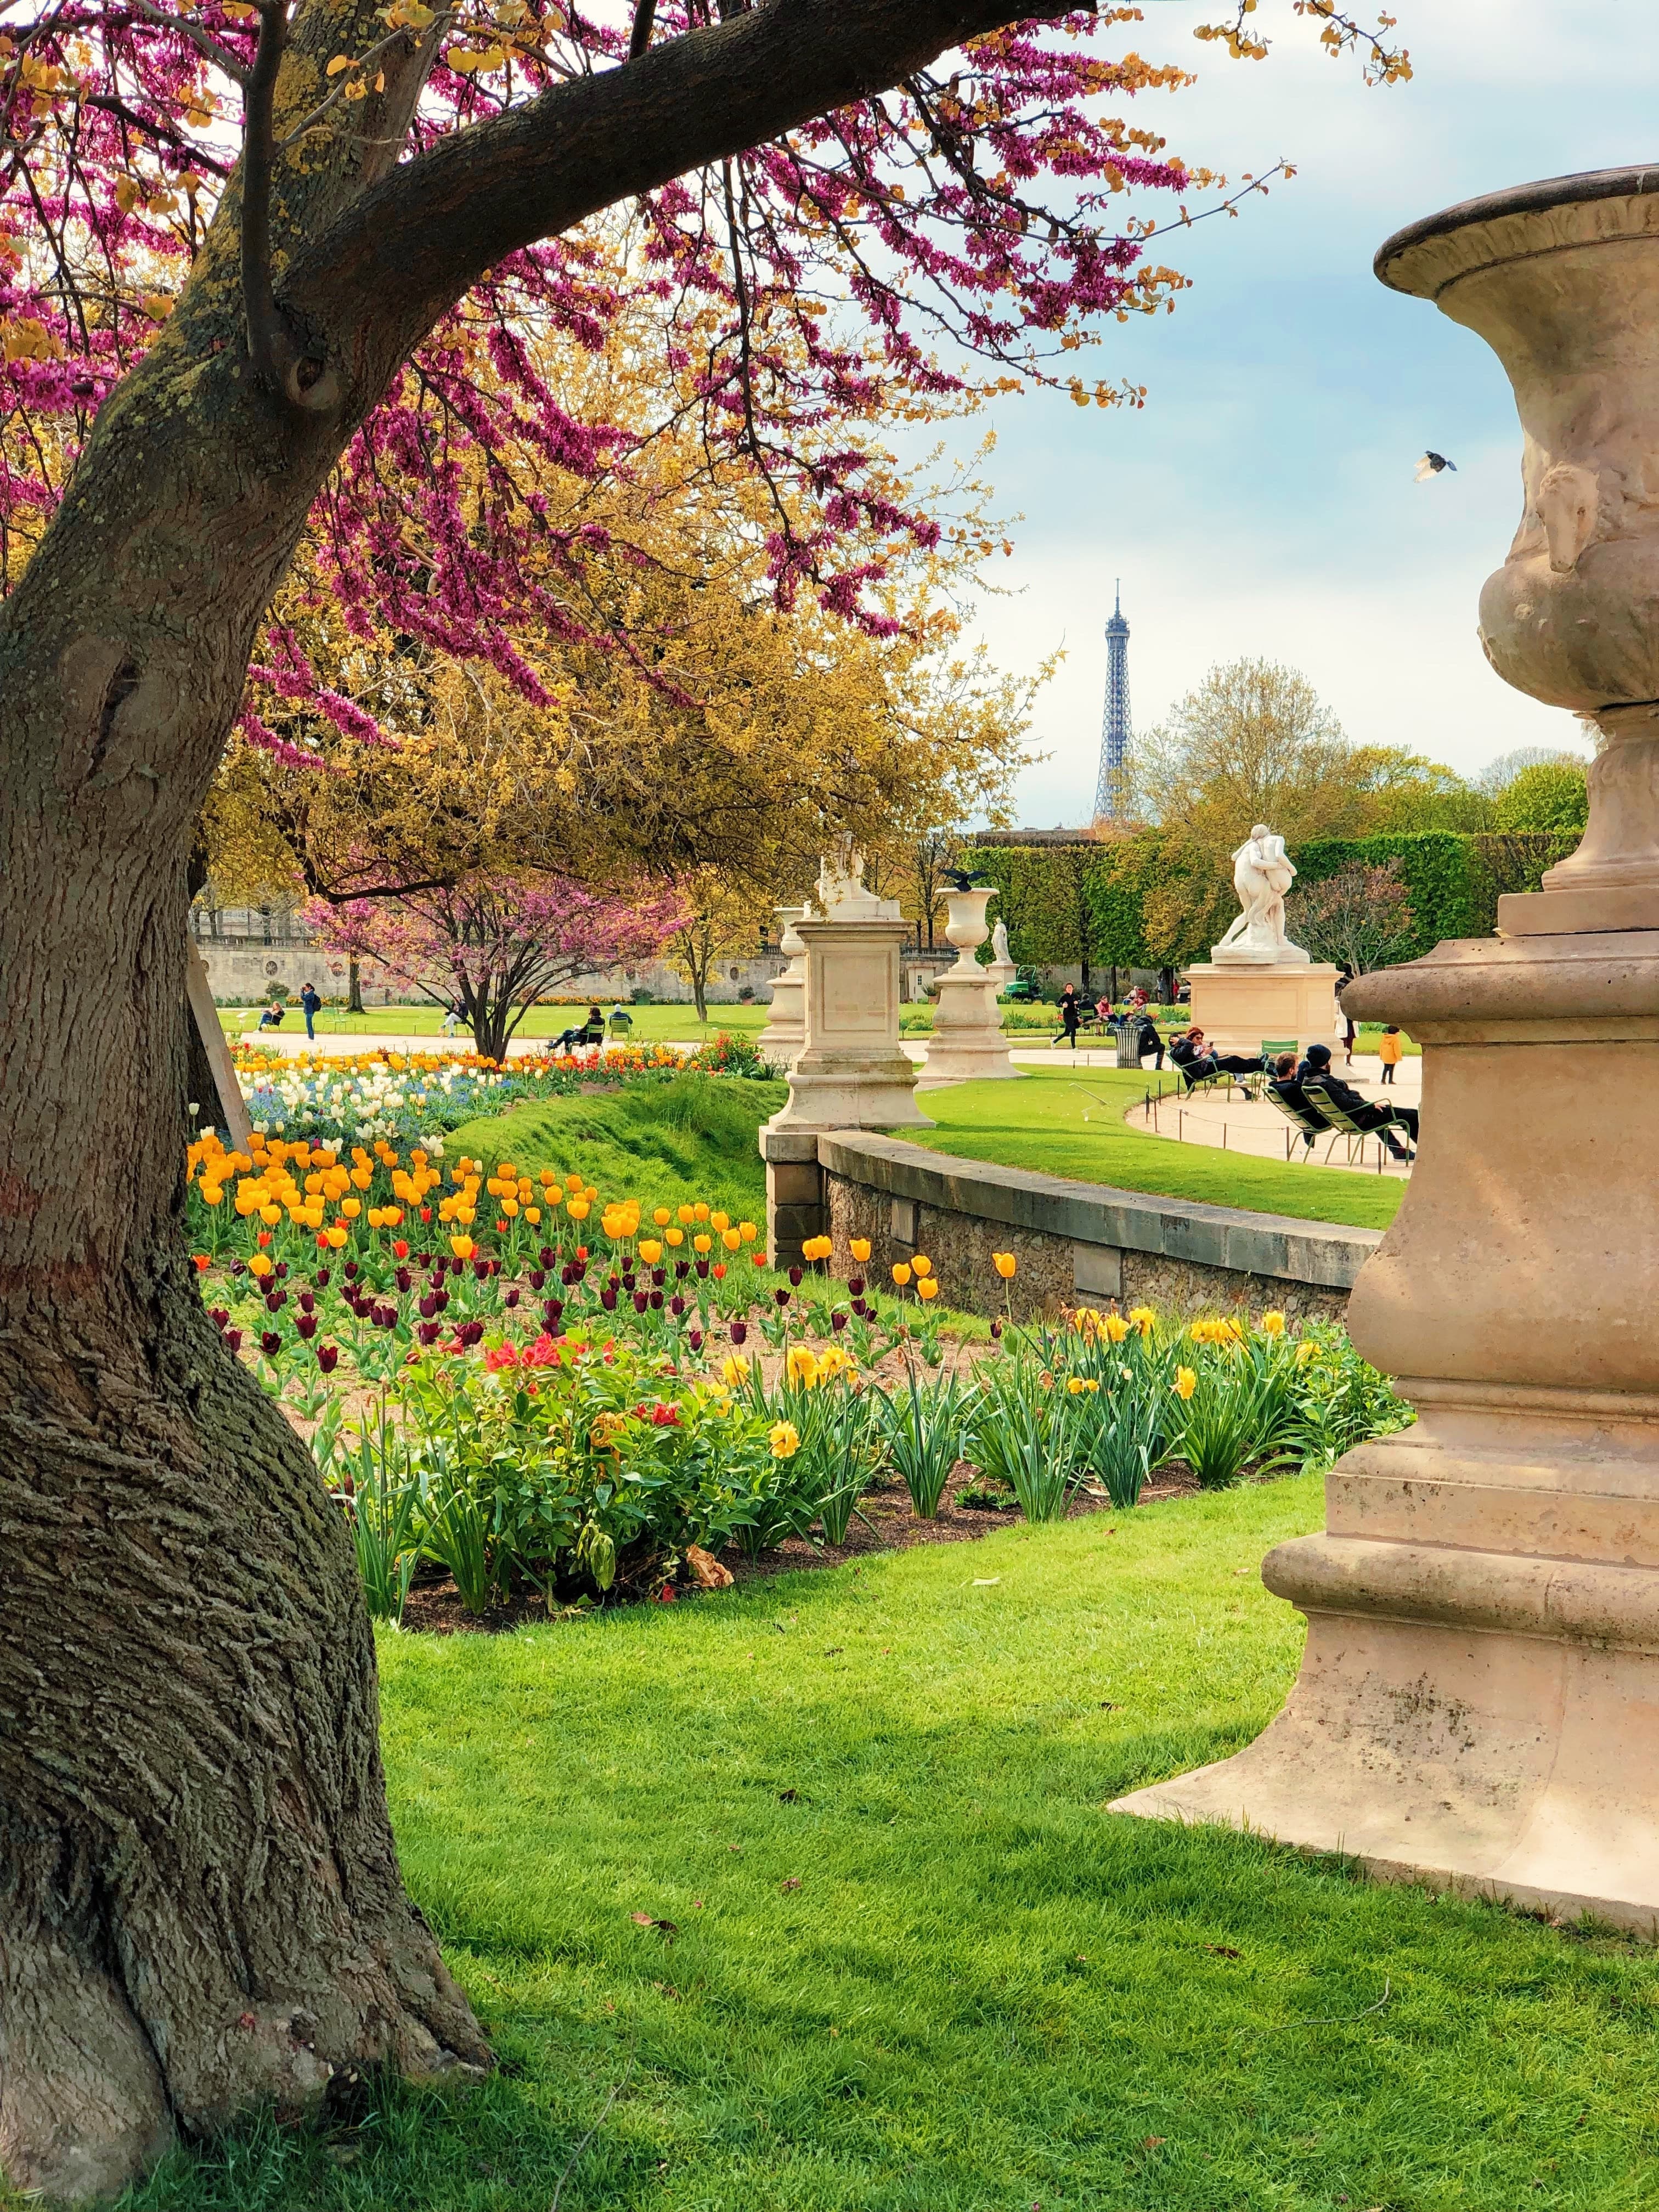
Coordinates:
(200, 1903)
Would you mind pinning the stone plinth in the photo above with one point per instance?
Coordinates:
(851, 1072)
(1478, 1705)
(781, 1041)
(1240, 1006)
(967, 1044)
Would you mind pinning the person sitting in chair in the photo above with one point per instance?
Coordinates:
(1382, 1120)
(1283, 1085)
(591, 1031)
(1197, 1060)
(271, 1019)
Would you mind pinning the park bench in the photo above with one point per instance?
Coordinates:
(1340, 1119)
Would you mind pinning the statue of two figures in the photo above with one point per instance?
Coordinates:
(1262, 873)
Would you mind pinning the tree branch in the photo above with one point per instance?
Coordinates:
(204, 41)
(645, 12)
(416, 242)
(304, 383)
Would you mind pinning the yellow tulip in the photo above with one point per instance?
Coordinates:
(687, 1214)
(1006, 1265)
(271, 1215)
(462, 1247)
(1273, 1324)
(212, 1195)
(720, 1222)
(577, 1209)
(336, 1237)
(703, 1245)
(731, 1239)
(259, 1264)
(532, 1214)
(802, 1365)
(650, 1250)
(734, 1370)
(701, 1209)
(748, 1231)
(661, 1216)
(901, 1274)
(927, 1288)
(675, 1235)
(860, 1249)
(351, 1208)
(922, 1264)
(1115, 1327)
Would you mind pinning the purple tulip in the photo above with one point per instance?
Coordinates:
(607, 1299)
(682, 1269)
(233, 1339)
(739, 1332)
(509, 1298)
(276, 1300)
(239, 1268)
(537, 1276)
(307, 1304)
(470, 1331)
(328, 1357)
(782, 1295)
(429, 1332)
(996, 1328)
(270, 1344)
(659, 1277)
(281, 1267)
(855, 1287)
(656, 1301)
(641, 1300)
(838, 1320)
(677, 1307)
(552, 1310)
(546, 1258)
(403, 1280)
(307, 1326)
(220, 1315)
(703, 1268)
(694, 1338)
(351, 1271)
(795, 1277)
(321, 1279)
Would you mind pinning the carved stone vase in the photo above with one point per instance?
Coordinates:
(1478, 1705)
(967, 1042)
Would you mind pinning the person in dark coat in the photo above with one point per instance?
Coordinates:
(1192, 1055)
(311, 1005)
(1071, 1014)
(1379, 1120)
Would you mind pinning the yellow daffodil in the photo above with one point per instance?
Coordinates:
(785, 1439)
(734, 1370)
(1273, 1324)
(1185, 1382)
(802, 1365)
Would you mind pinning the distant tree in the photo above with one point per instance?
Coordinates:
(1360, 918)
(1498, 775)
(720, 918)
(490, 948)
(1551, 794)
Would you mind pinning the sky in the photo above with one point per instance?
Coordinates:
(1263, 500)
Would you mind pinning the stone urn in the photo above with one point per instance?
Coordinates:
(780, 1041)
(967, 1043)
(1478, 1701)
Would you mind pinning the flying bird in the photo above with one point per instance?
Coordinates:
(959, 881)
(1432, 464)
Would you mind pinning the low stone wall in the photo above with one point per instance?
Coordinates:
(1077, 1243)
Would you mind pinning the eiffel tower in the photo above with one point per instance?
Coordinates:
(1115, 728)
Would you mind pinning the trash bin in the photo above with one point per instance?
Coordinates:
(1128, 1046)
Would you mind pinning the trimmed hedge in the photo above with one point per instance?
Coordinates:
(1140, 901)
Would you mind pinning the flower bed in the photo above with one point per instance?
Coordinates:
(403, 1097)
(540, 1393)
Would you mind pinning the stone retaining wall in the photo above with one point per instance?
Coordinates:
(1077, 1243)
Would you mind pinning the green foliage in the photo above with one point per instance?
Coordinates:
(1549, 796)
(1151, 899)
(1017, 1436)
(922, 1436)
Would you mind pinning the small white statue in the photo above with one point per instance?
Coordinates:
(842, 893)
(999, 953)
(1262, 873)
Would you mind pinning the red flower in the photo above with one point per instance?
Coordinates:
(500, 1356)
(666, 1595)
(581, 1251)
(718, 1271)
(426, 1213)
(203, 1262)
(400, 1249)
(265, 1238)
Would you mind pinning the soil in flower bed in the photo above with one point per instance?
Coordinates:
(434, 1607)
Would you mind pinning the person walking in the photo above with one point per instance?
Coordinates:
(311, 1005)
(1390, 1050)
(1071, 1014)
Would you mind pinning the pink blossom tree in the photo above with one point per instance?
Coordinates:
(492, 947)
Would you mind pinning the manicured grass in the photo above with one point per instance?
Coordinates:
(678, 1023)
(690, 1136)
(1040, 1123)
(916, 1967)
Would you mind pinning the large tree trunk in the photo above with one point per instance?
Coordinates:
(200, 1904)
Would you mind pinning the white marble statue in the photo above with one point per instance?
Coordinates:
(843, 896)
(1000, 957)
(1262, 873)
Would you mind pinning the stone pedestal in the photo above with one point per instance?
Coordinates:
(1242, 1005)
(1479, 1702)
(967, 1043)
(779, 1042)
(851, 1072)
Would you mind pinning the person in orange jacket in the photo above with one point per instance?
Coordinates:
(1390, 1050)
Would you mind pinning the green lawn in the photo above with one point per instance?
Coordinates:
(662, 1142)
(916, 1967)
(650, 1022)
(1063, 1124)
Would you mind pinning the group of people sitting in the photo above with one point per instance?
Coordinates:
(1302, 1085)
(1137, 1015)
